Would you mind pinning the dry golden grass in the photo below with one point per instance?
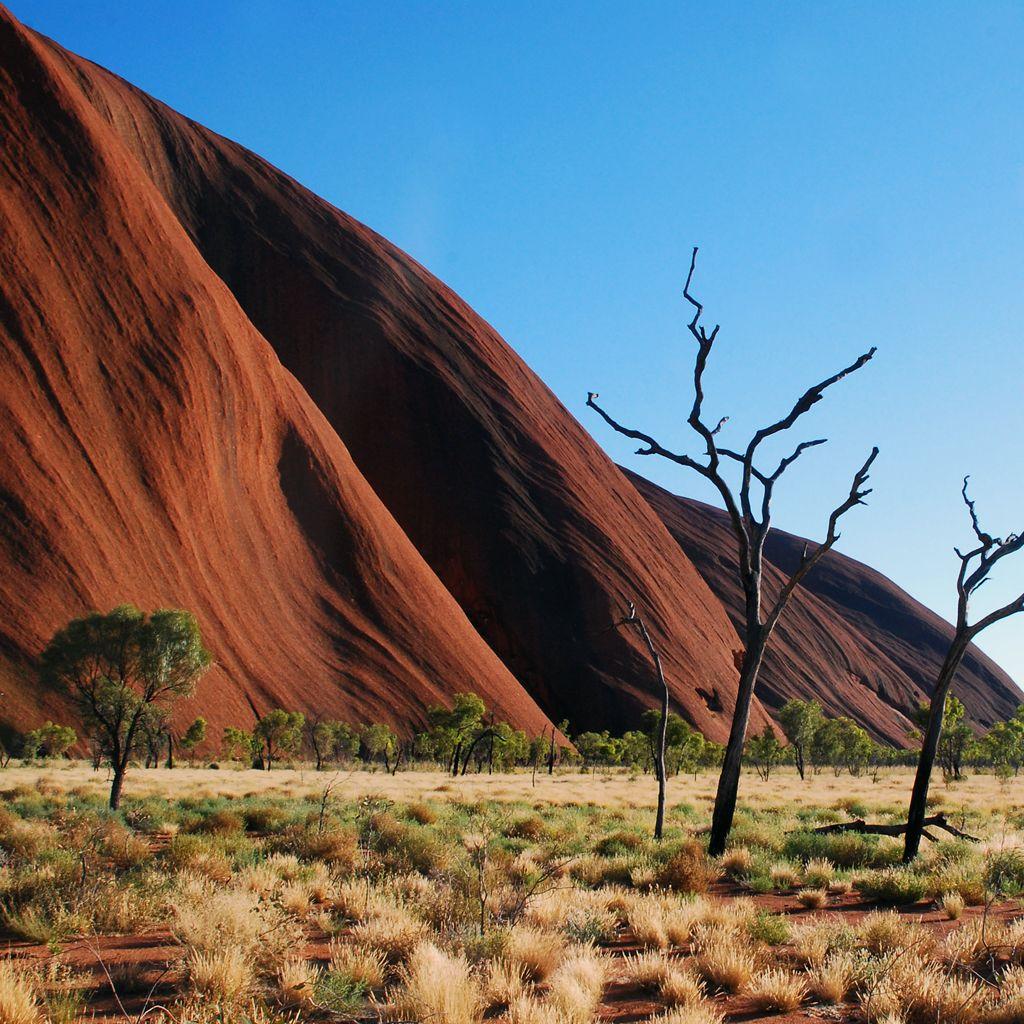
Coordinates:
(776, 989)
(18, 1001)
(364, 965)
(438, 987)
(832, 980)
(225, 976)
(296, 983)
(534, 952)
(952, 905)
(696, 1013)
(980, 792)
(813, 899)
(724, 959)
(575, 987)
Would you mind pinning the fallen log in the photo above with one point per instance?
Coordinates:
(862, 827)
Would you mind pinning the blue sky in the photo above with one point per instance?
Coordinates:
(853, 173)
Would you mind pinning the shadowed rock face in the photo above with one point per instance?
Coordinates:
(227, 395)
(850, 638)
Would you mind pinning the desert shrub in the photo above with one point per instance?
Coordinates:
(421, 812)
(842, 849)
(686, 870)
(19, 1003)
(531, 827)
(338, 847)
(771, 929)
(895, 887)
(438, 987)
(264, 818)
(220, 822)
(617, 843)
(952, 904)
(812, 899)
(1004, 872)
(224, 976)
(776, 989)
(338, 992)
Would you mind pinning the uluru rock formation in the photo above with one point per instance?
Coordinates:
(850, 638)
(219, 392)
(222, 393)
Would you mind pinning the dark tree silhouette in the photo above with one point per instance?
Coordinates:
(750, 516)
(975, 567)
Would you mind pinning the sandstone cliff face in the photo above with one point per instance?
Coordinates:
(850, 638)
(155, 450)
(232, 397)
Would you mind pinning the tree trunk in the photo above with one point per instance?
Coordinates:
(117, 784)
(170, 751)
(729, 779)
(929, 748)
(551, 753)
(659, 818)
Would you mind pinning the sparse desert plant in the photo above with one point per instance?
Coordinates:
(687, 870)
(771, 929)
(681, 987)
(776, 989)
(504, 983)
(694, 1013)
(646, 921)
(818, 873)
(784, 876)
(952, 905)
(437, 987)
(645, 970)
(812, 899)
(725, 960)
(884, 932)
(737, 861)
(832, 980)
(576, 985)
(19, 1002)
(895, 887)
(534, 951)
(392, 930)
(224, 976)
(296, 983)
(364, 966)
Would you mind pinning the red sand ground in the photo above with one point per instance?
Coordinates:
(142, 968)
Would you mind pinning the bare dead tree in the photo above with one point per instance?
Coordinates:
(751, 522)
(975, 567)
(634, 621)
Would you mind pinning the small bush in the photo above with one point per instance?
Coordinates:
(894, 887)
(687, 870)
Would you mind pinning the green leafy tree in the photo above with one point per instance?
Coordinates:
(332, 741)
(765, 752)
(279, 733)
(1003, 745)
(50, 740)
(800, 721)
(115, 666)
(842, 743)
(193, 736)
(458, 730)
(379, 741)
(238, 744)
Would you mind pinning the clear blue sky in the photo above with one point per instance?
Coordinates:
(854, 174)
